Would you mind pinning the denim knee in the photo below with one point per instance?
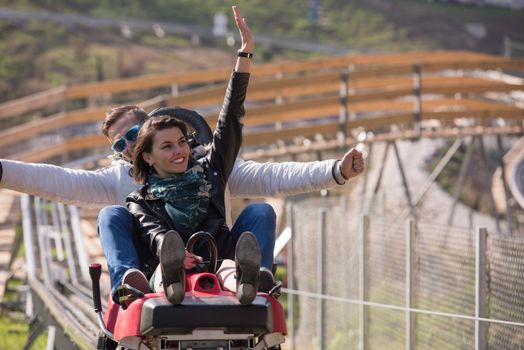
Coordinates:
(262, 210)
(114, 213)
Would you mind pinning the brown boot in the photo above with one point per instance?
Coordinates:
(172, 254)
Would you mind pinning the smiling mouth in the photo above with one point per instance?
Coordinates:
(178, 160)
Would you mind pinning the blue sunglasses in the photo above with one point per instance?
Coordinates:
(120, 145)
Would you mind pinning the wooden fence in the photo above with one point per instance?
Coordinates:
(381, 93)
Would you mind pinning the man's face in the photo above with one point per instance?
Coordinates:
(119, 129)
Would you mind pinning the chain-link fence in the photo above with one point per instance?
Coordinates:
(335, 254)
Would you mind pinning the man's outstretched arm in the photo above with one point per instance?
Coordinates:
(69, 186)
(254, 179)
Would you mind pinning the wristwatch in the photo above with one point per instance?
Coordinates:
(337, 174)
(244, 54)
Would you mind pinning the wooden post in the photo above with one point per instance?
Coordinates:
(343, 111)
(417, 87)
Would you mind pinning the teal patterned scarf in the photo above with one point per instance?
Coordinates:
(186, 197)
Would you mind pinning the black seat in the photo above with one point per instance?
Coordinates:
(224, 312)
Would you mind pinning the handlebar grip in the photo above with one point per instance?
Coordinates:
(211, 245)
(95, 271)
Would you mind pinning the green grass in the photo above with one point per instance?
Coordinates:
(13, 333)
(14, 326)
(45, 54)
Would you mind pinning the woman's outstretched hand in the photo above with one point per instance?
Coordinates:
(246, 37)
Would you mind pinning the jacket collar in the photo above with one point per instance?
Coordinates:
(147, 195)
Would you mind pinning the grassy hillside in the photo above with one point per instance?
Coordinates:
(39, 55)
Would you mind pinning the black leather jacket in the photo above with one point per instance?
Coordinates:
(152, 219)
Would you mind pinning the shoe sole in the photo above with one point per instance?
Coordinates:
(247, 257)
(137, 280)
(172, 256)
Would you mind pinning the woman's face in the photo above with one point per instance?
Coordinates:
(169, 153)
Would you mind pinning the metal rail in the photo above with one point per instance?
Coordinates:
(59, 298)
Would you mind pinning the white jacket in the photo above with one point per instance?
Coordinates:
(112, 184)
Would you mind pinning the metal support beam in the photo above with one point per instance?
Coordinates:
(421, 192)
(67, 243)
(494, 212)
(381, 171)
(46, 316)
(404, 181)
(462, 178)
(79, 242)
(29, 246)
(509, 219)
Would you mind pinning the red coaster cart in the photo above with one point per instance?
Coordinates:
(208, 318)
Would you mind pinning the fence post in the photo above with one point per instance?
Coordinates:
(481, 342)
(411, 258)
(321, 276)
(363, 283)
(291, 276)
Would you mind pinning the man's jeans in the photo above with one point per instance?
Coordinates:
(260, 219)
(120, 242)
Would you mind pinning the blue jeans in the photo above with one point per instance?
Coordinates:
(260, 219)
(116, 229)
(124, 250)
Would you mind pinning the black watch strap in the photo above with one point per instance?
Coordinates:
(244, 54)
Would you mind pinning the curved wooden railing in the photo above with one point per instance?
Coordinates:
(304, 99)
(58, 96)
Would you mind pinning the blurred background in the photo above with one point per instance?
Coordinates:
(444, 169)
(49, 43)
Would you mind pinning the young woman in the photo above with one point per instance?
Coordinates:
(182, 196)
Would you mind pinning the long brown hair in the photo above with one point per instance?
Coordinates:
(144, 143)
